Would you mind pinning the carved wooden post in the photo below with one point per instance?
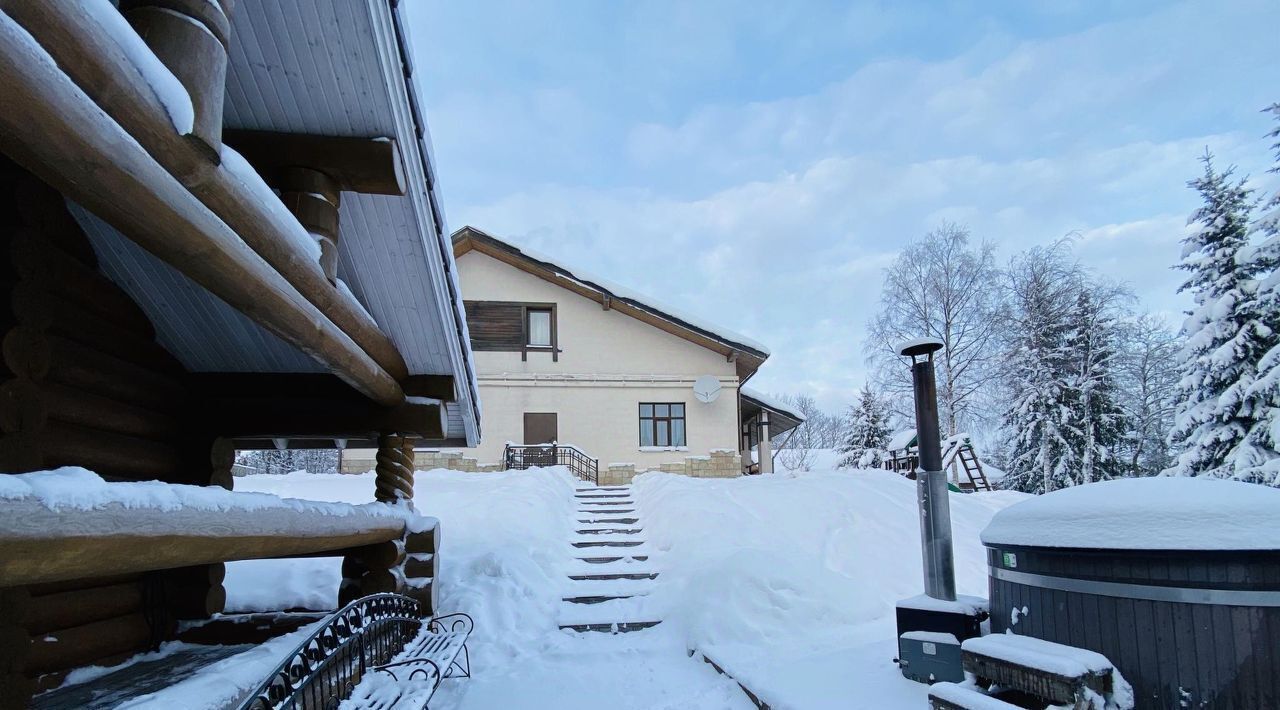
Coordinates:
(422, 567)
(314, 197)
(191, 38)
(394, 471)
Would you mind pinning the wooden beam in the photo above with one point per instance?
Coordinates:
(191, 39)
(434, 386)
(42, 545)
(368, 165)
(58, 133)
(263, 406)
(95, 61)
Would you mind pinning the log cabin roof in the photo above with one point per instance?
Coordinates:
(324, 68)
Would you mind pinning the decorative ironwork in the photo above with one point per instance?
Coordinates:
(326, 667)
(451, 625)
(517, 457)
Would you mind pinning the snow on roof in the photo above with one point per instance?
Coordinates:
(901, 440)
(772, 403)
(614, 290)
(1145, 514)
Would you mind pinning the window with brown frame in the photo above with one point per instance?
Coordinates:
(662, 424)
(513, 326)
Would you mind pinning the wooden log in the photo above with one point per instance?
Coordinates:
(61, 135)
(197, 602)
(427, 541)
(68, 648)
(422, 566)
(44, 588)
(22, 408)
(197, 575)
(20, 453)
(44, 211)
(40, 307)
(26, 353)
(52, 612)
(366, 165)
(191, 39)
(111, 454)
(426, 592)
(393, 481)
(382, 555)
(95, 61)
(247, 628)
(15, 606)
(382, 580)
(42, 545)
(83, 408)
(37, 260)
(84, 368)
(348, 591)
(16, 690)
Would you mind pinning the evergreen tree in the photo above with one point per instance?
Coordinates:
(1262, 460)
(1038, 376)
(868, 432)
(1219, 412)
(1091, 350)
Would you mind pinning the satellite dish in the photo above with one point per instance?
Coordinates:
(706, 388)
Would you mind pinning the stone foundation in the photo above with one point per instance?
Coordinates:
(721, 463)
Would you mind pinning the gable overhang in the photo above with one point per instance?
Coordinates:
(746, 358)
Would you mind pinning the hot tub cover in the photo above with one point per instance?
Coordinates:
(1145, 514)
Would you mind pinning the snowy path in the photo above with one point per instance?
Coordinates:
(610, 650)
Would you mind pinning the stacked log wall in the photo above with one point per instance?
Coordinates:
(83, 382)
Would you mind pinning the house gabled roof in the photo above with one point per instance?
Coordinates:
(746, 353)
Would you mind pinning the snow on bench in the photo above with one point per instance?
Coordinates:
(1057, 673)
(953, 696)
(411, 678)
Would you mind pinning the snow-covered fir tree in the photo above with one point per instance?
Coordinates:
(1038, 376)
(1091, 351)
(1263, 396)
(868, 431)
(1222, 425)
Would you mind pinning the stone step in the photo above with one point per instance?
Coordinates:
(614, 576)
(608, 587)
(608, 560)
(611, 502)
(592, 496)
(596, 599)
(614, 628)
(618, 521)
(609, 531)
(608, 543)
(630, 610)
(606, 512)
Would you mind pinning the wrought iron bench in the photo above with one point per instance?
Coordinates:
(438, 652)
(380, 632)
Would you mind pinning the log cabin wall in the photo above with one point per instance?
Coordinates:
(84, 383)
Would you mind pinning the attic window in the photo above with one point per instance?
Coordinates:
(538, 327)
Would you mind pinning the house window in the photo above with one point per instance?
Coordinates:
(662, 424)
(537, 328)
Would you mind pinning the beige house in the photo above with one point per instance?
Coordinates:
(605, 374)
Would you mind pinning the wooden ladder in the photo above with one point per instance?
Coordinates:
(973, 467)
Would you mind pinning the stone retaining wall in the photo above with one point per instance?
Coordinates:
(721, 463)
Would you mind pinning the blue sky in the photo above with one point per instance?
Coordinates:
(760, 163)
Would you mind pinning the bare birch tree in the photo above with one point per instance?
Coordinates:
(945, 287)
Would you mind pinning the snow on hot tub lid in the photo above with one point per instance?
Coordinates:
(1145, 514)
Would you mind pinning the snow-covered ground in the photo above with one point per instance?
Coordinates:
(788, 581)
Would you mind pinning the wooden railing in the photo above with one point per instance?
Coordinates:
(516, 457)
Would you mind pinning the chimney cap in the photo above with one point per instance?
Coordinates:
(919, 346)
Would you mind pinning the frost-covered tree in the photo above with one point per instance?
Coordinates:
(1222, 425)
(1263, 395)
(1038, 378)
(280, 461)
(944, 287)
(867, 431)
(801, 443)
(1148, 373)
(1092, 352)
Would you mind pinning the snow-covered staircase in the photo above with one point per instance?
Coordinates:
(612, 571)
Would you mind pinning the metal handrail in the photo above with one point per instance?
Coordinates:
(519, 457)
(327, 666)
